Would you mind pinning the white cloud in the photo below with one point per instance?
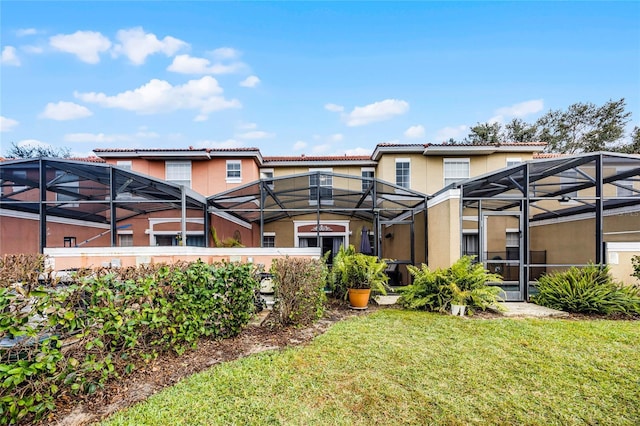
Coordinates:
(336, 137)
(223, 53)
(377, 111)
(299, 145)
(7, 124)
(9, 56)
(251, 81)
(334, 107)
(200, 117)
(186, 64)
(255, 134)
(108, 138)
(26, 32)
(246, 126)
(415, 132)
(136, 45)
(229, 143)
(33, 143)
(320, 149)
(357, 151)
(517, 110)
(32, 49)
(447, 133)
(203, 95)
(63, 111)
(86, 45)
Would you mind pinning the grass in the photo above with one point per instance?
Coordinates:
(403, 367)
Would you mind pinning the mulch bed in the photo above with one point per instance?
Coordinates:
(168, 369)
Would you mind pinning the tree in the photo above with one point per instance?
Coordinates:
(584, 127)
(632, 147)
(32, 151)
(517, 130)
(485, 133)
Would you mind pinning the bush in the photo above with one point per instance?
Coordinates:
(588, 290)
(299, 290)
(635, 261)
(357, 270)
(75, 338)
(433, 290)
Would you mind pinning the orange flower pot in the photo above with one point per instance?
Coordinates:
(359, 297)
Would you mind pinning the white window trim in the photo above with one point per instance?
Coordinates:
(325, 202)
(233, 179)
(298, 223)
(402, 160)
(176, 162)
(446, 161)
(517, 160)
(125, 164)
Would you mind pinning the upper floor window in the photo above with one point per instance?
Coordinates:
(178, 172)
(403, 172)
(513, 161)
(568, 180)
(624, 187)
(455, 170)
(234, 171)
(368, 173)
(19, 175)
(67, 185)
(267, 174)
(124, 164)
(321, 186)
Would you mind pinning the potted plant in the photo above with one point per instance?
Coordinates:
(458, 299)
(360, 274)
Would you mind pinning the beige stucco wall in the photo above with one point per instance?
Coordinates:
(444, 233)
(619, 257)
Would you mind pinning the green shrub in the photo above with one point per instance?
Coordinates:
(434, 290)
(77, 337)
(357, 270)
(589, 290)
(635, 261)
(299, 290)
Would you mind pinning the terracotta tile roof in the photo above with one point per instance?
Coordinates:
(539, 155)
(320, 158)
(402, 144)
(488, 144)
(87, 159)
(173, 149)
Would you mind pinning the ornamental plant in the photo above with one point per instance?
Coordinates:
(465, 282)
(358, 270)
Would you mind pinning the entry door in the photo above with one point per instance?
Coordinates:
(502, 252)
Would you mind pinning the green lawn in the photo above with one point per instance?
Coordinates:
(401, 367)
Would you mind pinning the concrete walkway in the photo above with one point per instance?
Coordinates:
(530, 310)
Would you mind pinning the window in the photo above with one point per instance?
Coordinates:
(267, 174)
(234, 171)
(568, 180)
(470, 244)
(178, 172)
(124, 164)
(513, 245)
(67, 184)
(403, 172)
(625, 187)
(368, 175)
(20, 175)
(125, 240)
(320, 186)
(455, 170)
(513, 161)
(269, 241)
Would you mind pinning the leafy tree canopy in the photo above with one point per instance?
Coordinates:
(36, 150)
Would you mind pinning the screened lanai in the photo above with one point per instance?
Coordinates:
(69, 197)
(318, 194)
(547, 215)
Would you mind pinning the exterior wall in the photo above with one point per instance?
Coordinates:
(444, 233)
(61, 259)
(284, 170)
(386, 170)
(573, 242)
(619, 257)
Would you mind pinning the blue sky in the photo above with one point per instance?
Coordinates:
(302, 77)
